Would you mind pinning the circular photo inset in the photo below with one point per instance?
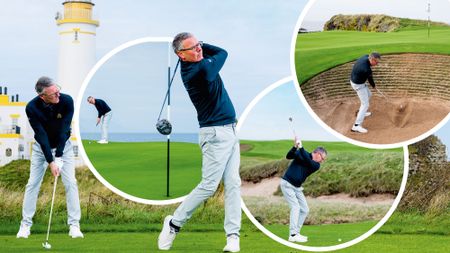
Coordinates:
(306, 188)
(136, 126)
(373, 71)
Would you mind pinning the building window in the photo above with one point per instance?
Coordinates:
(8, 152)
(75, 150)
(21, 148)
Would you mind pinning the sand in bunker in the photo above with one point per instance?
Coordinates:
(392, 121)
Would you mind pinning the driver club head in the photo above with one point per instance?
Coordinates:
(46, 245)
(164, 127)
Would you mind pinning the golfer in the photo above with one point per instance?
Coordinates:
(361, 73)
(302, 166)
(200, 66)
(104, 116)
(50, 115)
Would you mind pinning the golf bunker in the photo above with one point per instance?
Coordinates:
(417, 97)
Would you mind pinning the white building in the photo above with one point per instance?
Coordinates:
(15, 135)
(76, 56)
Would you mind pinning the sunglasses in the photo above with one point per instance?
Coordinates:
(199, 44)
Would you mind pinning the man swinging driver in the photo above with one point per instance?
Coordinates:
(200, 66)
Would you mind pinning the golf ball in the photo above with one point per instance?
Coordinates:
(339, 240)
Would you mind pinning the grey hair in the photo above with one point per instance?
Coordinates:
(178, 39)
(375, 55)
(42, 83)
(321, 150)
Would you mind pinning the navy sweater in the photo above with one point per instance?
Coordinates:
(102, 107)
(362, 72)
(206, 90)
(51, 124)
(301, 167)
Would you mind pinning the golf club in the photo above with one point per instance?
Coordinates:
(163, 125)
(47, 245)
(293, 130)
(381, 93)
(292, 126)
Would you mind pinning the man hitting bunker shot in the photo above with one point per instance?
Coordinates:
(302, 166)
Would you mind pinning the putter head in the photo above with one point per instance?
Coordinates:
(164, 127)
(46, 245)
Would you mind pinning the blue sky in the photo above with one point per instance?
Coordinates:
(269, 118)
(444, 136)
(257, 35)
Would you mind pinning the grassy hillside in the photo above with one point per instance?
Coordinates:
(317, 52)
(348, 168)
(101, 209)
(139, 168)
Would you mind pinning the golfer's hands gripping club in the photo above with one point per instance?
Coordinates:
(56, 166)
(98, 122)
(297, 142)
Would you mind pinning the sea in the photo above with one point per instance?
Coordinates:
(143, 137)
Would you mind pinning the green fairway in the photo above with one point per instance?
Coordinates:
(251, 241)
(317, 52)
(139, 168)
(326, 235)
(263, 151)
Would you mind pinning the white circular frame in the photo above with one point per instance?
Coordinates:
(86, 81)
(323, 124)
(318, 248)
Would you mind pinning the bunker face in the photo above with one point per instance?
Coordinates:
(418, 87)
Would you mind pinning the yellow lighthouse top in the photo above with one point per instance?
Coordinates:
(77, 12)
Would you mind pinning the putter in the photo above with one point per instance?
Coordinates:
(45, 244)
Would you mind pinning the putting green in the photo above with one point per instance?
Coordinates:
(139, 168)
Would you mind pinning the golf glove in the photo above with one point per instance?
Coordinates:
(59, 162)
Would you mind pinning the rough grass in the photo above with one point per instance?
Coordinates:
(275, 210)
(376, 23)
(102, 210)
(348, 168)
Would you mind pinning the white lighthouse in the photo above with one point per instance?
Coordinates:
(77, 31)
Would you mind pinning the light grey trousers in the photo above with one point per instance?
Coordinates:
(220, 160)
(67, 172)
